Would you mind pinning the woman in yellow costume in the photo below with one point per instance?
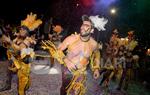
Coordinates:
(21, 53)
(82, 50)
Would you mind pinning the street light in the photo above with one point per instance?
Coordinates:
(113, 11)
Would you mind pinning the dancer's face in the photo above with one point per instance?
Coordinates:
(23, 32)
(85, 28)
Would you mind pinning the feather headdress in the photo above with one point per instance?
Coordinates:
(99, 23)
(31, 22)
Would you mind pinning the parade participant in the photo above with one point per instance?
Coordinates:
(136, 67)
(111, 58)
(82, 49)
(108, 69)
(57, 29)
(55, 38)
(131, 43)
(114, 37)
(4, 64)
(121, 63)
(21, 53)
(127, 70)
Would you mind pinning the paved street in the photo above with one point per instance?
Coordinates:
(48, 81)
(44, 80)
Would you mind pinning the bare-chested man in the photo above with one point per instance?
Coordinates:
(80, 49)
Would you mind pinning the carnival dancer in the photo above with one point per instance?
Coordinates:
(108, 69)
(121, 62)
(82, 49)
(21, 53)
(127, 70)
(131, 43)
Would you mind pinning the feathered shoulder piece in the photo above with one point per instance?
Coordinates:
(31, 22)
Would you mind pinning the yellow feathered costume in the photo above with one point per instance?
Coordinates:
(22, 63)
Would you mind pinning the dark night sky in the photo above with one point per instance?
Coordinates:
(131, 14)
(15, 10)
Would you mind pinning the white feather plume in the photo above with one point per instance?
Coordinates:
(98, 22)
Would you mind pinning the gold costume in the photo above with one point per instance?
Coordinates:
(23, 70)
(22, 60)
(77, 84)
(23, 74)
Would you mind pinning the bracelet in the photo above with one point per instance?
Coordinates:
(95, 67)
